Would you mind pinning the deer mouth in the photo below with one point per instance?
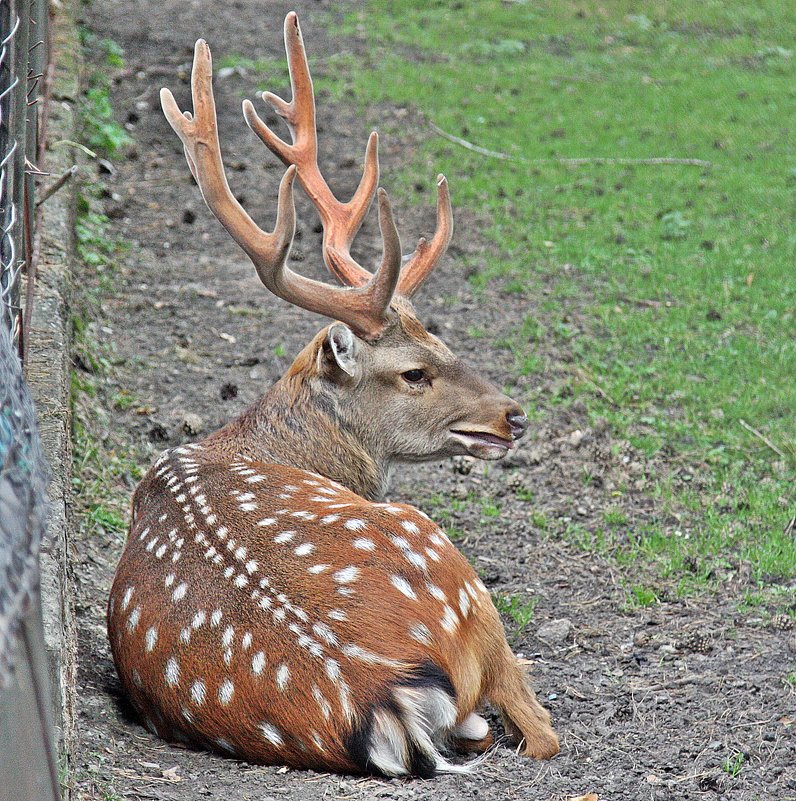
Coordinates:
(483, 444)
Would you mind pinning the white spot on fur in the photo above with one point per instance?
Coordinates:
(346, 575)
(132, 621)
(421, 633)
(450, 620)
(185, 635)
(355, 524)
(228, 637)
(226, 691)
(246, 642)
(403, 586)
(364, 544)
(199, 619)
(198, 691)
(251, 566)
(160, 551)
(323, 632)
(241, 581)
(304, 549)
(267, 521)
(464, 603)
(151, 638)
(126, 598)
(315, 569)
(172, 672)
(215, 618)
(320, 698)
(282, 677)
(416, 559)
(272, 734)
(337, 614)
(332, 669)
(284, 536)
(437, 593)
(330, 519)
(179, 592)
(409, 526)
(169, 580)
(258, 663)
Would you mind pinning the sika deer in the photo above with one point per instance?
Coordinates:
(266, 605)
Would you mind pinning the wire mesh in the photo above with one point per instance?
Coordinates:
(23, 56)
(23, 480)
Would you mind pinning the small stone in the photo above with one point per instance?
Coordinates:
(555, 631)
(463, 465)
(192, 424)
(158, 433)
(575, 438)
(229, 391)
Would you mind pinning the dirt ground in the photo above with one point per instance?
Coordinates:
(649, 703)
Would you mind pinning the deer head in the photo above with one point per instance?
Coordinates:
(393, 390)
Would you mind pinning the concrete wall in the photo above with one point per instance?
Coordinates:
(48, 375)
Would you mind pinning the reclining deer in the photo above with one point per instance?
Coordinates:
(267, 605)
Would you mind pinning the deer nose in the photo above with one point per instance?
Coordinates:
(518, 423)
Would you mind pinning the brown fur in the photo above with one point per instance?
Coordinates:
(306, 426)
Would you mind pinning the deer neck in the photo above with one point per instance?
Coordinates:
(297, 423)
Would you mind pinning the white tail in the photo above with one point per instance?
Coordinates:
(266, 604)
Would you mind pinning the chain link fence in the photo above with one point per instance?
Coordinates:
(28, 762)
(24, 51)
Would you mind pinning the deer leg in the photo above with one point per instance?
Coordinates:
(526, 720)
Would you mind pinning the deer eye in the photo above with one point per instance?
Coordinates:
(414, 376)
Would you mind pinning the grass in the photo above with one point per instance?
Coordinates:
(733, 764)
(100, 131)
(103, 472)
(517, 607)
(671, 286)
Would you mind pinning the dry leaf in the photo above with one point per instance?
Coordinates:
(172, 774)
(587, 797)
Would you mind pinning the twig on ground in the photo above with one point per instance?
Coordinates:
(457, 140)
(496, 154)
(762, 437)
(49, 191)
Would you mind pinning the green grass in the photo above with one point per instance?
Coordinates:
(733, 764)
(517, 607)
(671, 286)
(100, 131)
(104, 471)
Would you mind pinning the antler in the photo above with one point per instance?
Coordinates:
(363, 307)
(341, 221)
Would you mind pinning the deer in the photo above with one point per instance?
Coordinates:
(269, 604)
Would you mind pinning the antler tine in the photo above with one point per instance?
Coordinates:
(199, 135)
(364, 308)
(341, 221)
(427, 254)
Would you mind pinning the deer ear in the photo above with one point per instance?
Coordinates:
(340, 349)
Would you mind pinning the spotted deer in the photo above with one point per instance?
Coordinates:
(267, 604)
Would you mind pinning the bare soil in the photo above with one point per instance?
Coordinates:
(649, 702)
